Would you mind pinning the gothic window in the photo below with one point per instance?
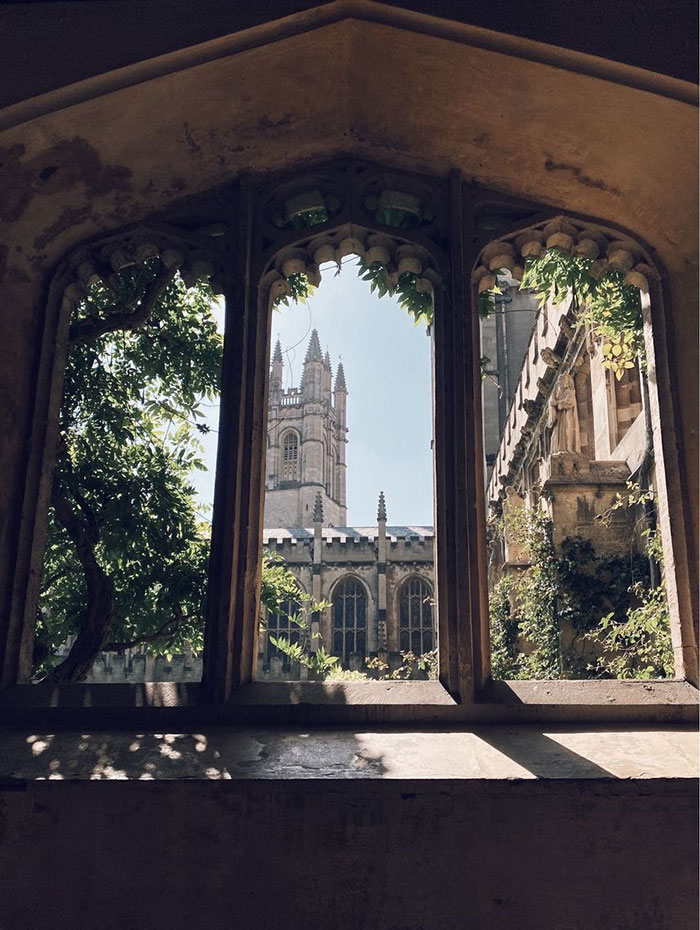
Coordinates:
(416, 617)
(349, 619)
(279, 624)
(290, 457)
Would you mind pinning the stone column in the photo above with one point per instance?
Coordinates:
(381, 631)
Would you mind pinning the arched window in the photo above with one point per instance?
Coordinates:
(349, 619)
(416, 632)
(290, 457)
(279, 624)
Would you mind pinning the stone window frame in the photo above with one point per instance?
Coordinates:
(251, 270)
(405, 583)
(267, 650)
(333, 595)
(284, 438)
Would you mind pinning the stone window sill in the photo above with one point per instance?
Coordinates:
(521, 753)
(321, 703)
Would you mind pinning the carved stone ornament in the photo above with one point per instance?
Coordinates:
(563, 416)
(573, 236)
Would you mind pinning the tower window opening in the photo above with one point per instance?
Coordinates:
(290, 458)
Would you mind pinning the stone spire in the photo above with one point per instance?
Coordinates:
(327, 380)
(313, 352)
(318, 509)
(381, 509)
(277, 363)
(312, 376)
(340, 379)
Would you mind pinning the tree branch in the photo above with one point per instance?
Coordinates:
(80, 535)
(174, 622)
(116, 318)
(99, 609)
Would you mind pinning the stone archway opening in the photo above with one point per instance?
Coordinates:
(413, 239)
(351, 375)
(581, 567)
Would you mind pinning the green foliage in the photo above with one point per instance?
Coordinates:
(412, 666)
(612, 308)
(278, 585)
(503, 618)
(298, 292)
(338, 673)
(128, 444)
(416, 302)
(637, 644)
(640, 646)
(130, 425)
(280, 590)
(608, 602)
(533, 595)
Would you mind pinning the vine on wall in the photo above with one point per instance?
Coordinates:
(606, 301)
(619, 625)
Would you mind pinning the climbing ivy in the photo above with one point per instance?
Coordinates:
(620, 624)
(525, 628)
(638, 644)
(612, 308)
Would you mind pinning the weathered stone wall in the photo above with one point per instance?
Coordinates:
(428, 831)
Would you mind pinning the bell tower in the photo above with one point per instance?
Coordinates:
(306, 437)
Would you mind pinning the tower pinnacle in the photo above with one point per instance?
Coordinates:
(318, 509)
(381, 509)
(340, 379)
(277, 366)
(313, 352)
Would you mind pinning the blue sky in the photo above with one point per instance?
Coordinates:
(387, 369)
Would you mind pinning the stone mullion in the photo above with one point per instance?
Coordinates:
(455, 528)
(237, 524)
(680, 564)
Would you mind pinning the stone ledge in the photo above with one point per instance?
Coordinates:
(480, 753)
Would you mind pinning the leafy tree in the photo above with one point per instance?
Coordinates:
(127, 552)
